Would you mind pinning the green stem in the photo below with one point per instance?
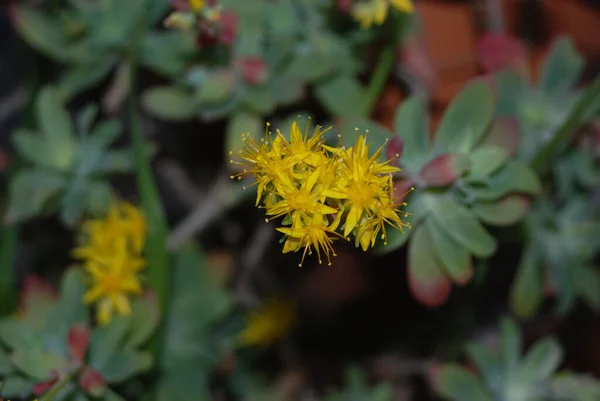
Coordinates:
(156, 244)
(52, 393)
(563, 133)
(379, 77)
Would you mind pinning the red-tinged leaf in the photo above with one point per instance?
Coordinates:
(444, 169)
(42, 387)
(36, 298)
(344, 6)
(228, 24)
(254, 70)
(427, 281)
(78, 341)
(92, 382)
(401, 189)
(505, 132)
(497, 51)
(414, 56)
(504, 212)
(394, 150)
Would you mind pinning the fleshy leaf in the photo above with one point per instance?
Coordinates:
(410, 123)
(512, 343)
(510, 88)
(341, 96)
(487, 362)
(505, 133)
(170, 103)
(504, 212)
(461, 224)
(514, 177)
(125, 363)
(106, 340)
(458, 384)
(485, 161)
(466, 119)
(445, 169)
(92, 382)
(37, 297)
(37, 363)
(541, 360)
(145, 318)
(78, 340)
(455, 258)
(561, 69)
(242, 122)
(587, 283)
(427, 281)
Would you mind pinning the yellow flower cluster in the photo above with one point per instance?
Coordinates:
(269, 323)
(369, 12)
(111, 252)
(318, 189)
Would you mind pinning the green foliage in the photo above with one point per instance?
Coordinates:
(196, 340)
(461, 180)
(51, 345)
(92, 38)
(503, 374)
(68, 163)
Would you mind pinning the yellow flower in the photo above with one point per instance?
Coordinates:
(111, 254)
(197, 5)
(307, 182)
(369, 12)
(268, 324)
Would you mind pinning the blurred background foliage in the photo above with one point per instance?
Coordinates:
(490, 108)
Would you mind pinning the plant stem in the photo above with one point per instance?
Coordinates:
(563, 133)
(51, 394)
(156, 244)
(379, 77)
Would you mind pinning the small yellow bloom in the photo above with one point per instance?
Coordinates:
(316, 187)
(111, 254)
(369, 12)
(268, 324)
(197, 5)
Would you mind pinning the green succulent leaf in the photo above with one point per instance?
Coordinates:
(16, 386)
(16, 335)
(72, 290)
(461, 224)
(36, 363)
(258, 99)
(310, 66)
(6, 367)
(514, 177)
(56, 124)
(466, 120)
(542, 359)
(458, 384)
(410, 122)
(41, 32)
(488, 363)
(512, 344)
(561, 68)
(105, 342)
(72, 203)
(104, 134)
(427, 281)
(587, 284)
(33, 147)
(341, 96)
(242, 122)
(504, 212)
(29, 192)
(170, 103)
(527, 289)
(217, 88)
(454, 257)
(510, 86)
(124, 364)
(486, 160)
(145, 317)
(79, 77)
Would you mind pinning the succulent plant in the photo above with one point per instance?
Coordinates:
(357, 388)
(92, 38)
(67, 163)
(501, 374)
(463, 178)
(541, 108)
(559, 257)
(50, 347)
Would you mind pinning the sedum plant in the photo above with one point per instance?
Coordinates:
(564, 238)
(67, 163)
(464, 178)
(503, 374)
(91, 38)
(50, 349)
